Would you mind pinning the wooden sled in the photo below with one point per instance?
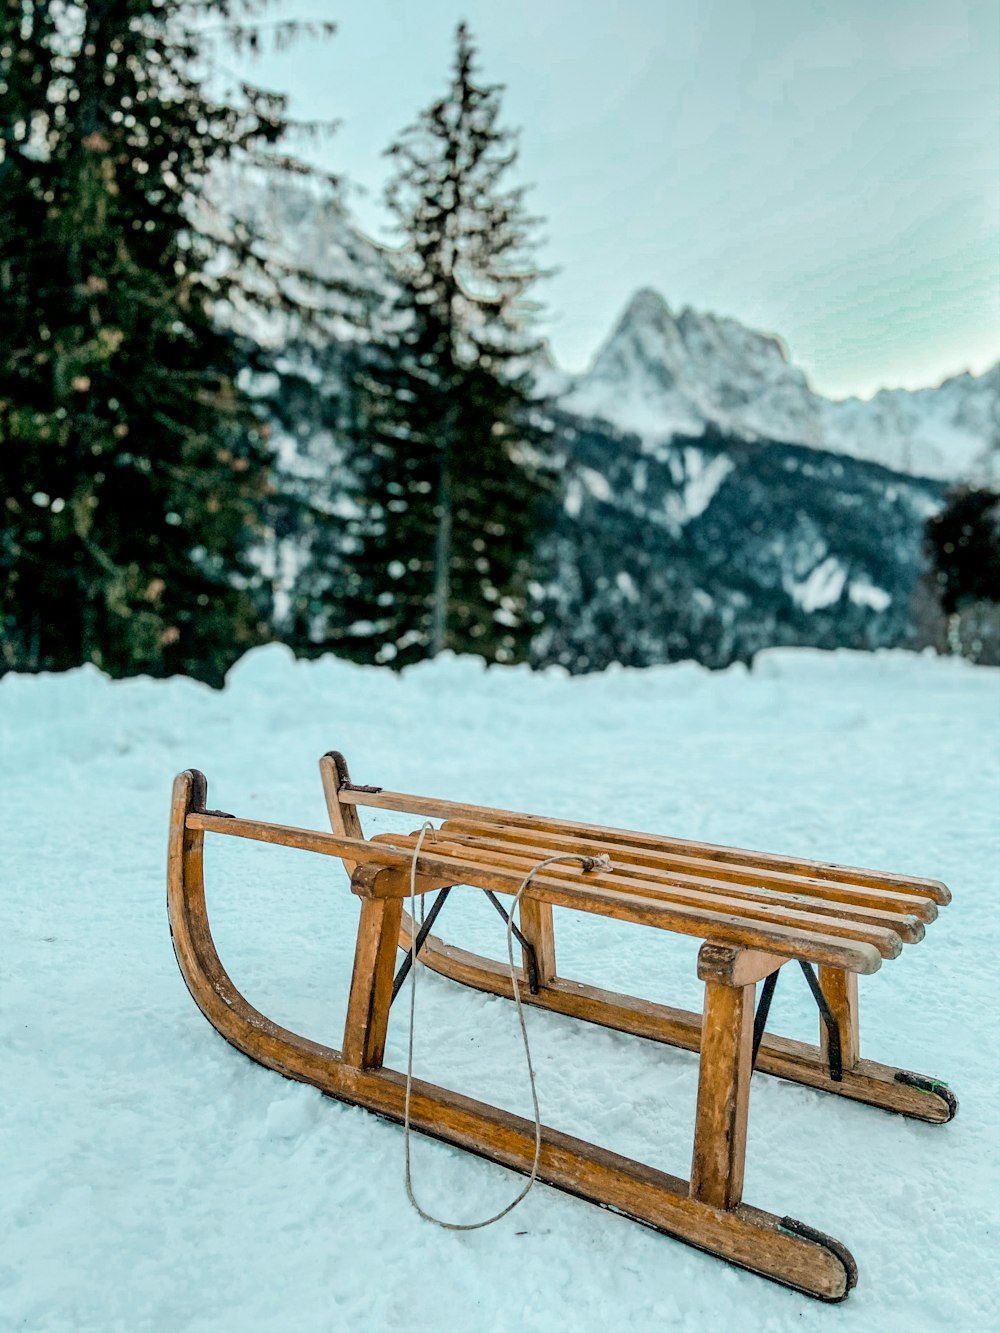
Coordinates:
(755, 913)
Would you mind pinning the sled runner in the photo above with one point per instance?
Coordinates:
(755, 913)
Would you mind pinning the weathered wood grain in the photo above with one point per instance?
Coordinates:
(727, 927)
(720, 1132)
(841, 991)
(371, 980)
(344, 818)
(434, 807)
(887, 931)
(690, 869)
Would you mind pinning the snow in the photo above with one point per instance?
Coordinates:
(625, 584)
(821, 587)
(704, 477)
(589, 480)
(596, 483)
(863, 593)
(154, 1179)
(950, 432)
(573, 500)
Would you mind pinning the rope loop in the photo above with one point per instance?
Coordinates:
(588, 863)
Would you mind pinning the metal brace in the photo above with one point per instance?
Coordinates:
(424, 931)
(832, 1030)
(344, 777)
(530, 962)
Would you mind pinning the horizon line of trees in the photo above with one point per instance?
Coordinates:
(140, 493)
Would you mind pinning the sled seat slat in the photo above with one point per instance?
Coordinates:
(436, 871)
(435, 808)
(729, 895)
(903, 914)
(697, 868)
(887, 931)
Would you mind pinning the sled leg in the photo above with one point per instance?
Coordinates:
(720, 1134)
(536, 926)
(371, 983)
(841, 991)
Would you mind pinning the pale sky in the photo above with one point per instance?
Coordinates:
(829, 172)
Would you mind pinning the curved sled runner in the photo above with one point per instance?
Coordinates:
(747, 939)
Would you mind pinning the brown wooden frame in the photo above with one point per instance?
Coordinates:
(706, 1211)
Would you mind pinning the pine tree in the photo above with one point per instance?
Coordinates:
(963, 543)
(134, 469)
(447, 444)
(960, 595)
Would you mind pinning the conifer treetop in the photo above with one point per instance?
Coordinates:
(468, 239)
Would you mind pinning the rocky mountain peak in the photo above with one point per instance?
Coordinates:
(645, 306)
(661, 374)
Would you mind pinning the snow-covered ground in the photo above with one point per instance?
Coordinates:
(155, 1179)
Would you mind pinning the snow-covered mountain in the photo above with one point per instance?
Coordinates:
(951, 432)
(662, 374)
(659, 373)
(710, 504)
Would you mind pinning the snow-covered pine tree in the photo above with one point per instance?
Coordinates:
(446, 443)
(134, 469)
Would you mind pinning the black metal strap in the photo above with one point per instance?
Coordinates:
(763, 1009)
(530, 961)
(425, 930)
(796, 1228)
(933, 1086)
(343, 775)
(832, 1030)
(826, 1013)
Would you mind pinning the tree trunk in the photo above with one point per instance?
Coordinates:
(442, 554)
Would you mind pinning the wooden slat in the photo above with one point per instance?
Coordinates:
(887, 900)
(727, 928)
(283, 835)
(887, 938)
(626, 875)
(434, 807)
